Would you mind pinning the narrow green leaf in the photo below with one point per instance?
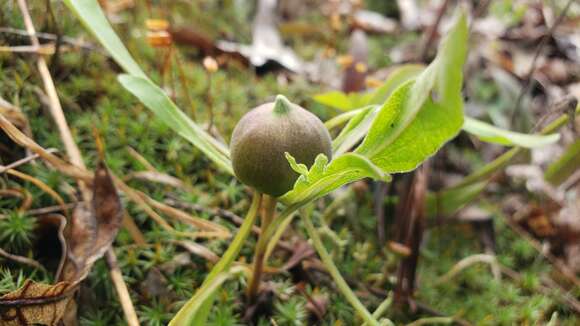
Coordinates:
(564, 166)
(447, 202)
(157, 101)
(399, 76)
(205, 297)
(195, 311)
(342, 101)
(322, 178)
(355, 130)
(92, 16)
(492, 134)
(422, 114)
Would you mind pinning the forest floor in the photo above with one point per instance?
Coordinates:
(163, 267)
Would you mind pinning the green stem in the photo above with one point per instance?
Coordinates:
(381, 310)
(268, 212)
(185, 315)
(340, 282)
(505, 158)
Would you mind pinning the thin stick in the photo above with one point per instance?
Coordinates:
(15, 164)
(543, 42)
(54, 102)
(121, 287)
(22, 260)
(53, 37)
(433, 31)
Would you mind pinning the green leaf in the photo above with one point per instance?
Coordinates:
(447, 202)
(91, 15)
(355, 130)
(560, 170)
(399, 76)
(422, 114)
(492, 134)
(157, 101)
(342, 101)
(322, 178)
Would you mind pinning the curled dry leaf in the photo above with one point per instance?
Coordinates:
(92, 229)
(34, 303)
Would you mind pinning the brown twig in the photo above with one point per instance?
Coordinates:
(53, 37)
(433, 32)
(22, 260)
(122, 290)
(527, 81)
(15, 164)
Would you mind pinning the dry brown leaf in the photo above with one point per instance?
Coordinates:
(35, 303)
(92, 229)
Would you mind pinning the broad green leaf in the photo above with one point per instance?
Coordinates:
(560, 170)
(342, 101)
(396, 78)
(324, 177)
(157, 101)
(355, 130)
(422, 114)
(492, 134)
(92, 16)
(448, 202)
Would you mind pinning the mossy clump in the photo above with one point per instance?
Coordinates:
(264, 134)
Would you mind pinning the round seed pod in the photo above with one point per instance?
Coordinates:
(264, 134)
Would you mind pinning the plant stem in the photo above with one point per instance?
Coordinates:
(267, 215)
(340, 282)
(184, 315)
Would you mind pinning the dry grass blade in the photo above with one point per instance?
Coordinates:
(21, 139)
(43, 186)
(21, 193)
(183, 217)
(35, 303)
(158, 177)
(50, 88)
(148, 166)
(199, 250)
(25, 160)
